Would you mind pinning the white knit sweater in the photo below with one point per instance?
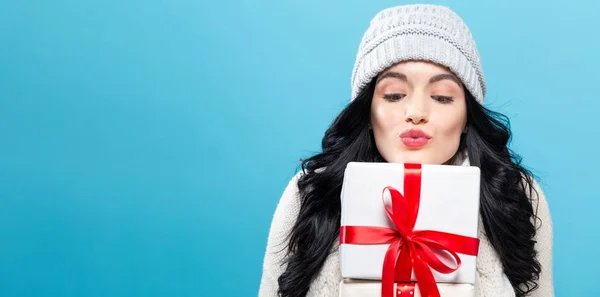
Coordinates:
(491, 280)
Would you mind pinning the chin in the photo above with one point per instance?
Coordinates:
(414, 157)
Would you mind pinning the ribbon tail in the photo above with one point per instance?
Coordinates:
(404, 265)
(425, 279)
(387, 276)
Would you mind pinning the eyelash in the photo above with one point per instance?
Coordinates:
(443, 99)
(393, 97)
(397, 96)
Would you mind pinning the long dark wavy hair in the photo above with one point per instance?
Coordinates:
(505, 206)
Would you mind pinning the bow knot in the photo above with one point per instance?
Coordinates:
(410, 237)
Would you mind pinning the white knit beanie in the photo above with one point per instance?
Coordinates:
(419, 32)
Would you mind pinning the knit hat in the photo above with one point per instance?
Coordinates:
(419, 32)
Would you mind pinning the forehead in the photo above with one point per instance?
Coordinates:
(412, 68)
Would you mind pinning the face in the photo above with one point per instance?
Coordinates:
(418, 113)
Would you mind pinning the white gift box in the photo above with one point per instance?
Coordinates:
(449, 203)
(359, 288)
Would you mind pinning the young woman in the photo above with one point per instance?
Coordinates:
(417, 70)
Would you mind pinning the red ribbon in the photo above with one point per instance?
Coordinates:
(410, 249)
(405, 290)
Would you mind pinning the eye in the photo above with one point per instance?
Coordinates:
(393, 97)
(443, 99)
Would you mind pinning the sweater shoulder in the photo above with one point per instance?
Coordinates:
(282, 222)
(289, 202)
(286, 212)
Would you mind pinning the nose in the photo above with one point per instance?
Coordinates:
(416, 110)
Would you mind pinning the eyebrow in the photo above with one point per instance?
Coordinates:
(392, 74)
(432, 80)
(444, 76)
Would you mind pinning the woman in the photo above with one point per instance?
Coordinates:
(417, 68)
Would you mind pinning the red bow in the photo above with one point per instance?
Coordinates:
(410, 249)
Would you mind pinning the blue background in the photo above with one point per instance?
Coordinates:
(145, 144)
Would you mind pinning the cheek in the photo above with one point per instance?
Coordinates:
(452, 127)
(383, 118)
